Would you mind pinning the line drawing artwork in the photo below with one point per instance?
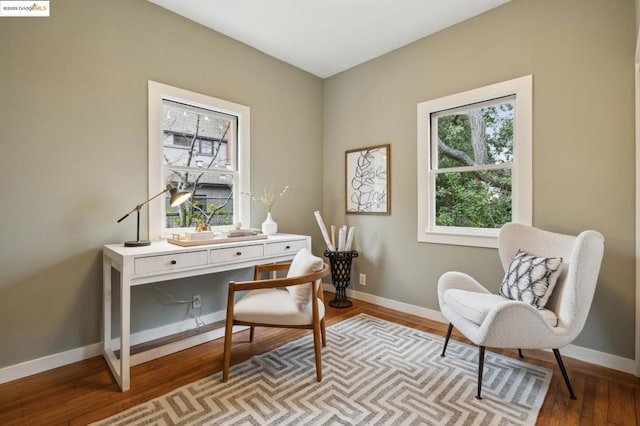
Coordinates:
(367, 183)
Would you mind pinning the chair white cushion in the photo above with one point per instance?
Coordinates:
(303, 263)
(273, 306)
(475, 306)
(531, 279)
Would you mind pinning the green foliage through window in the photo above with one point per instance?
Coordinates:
(476, 144)
(468, 200)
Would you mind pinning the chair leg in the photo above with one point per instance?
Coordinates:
(480, 369)
(323, 331)
(520, 353)
(318, 352)
(318, 330)
(251, 330)
(446, 341)
(322, 322)
(556, 352)
(228, 336)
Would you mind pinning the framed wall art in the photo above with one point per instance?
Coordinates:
(367, 186)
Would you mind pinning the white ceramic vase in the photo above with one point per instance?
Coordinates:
(269, 226)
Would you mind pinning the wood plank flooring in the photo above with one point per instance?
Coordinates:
(84, 392)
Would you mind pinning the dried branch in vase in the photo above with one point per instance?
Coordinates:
(268, 198)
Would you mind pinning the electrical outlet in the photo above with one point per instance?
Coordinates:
(363, 279)
(196, 302)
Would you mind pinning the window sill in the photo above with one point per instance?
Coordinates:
(461, 237)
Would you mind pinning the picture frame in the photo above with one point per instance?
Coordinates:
(367, 180)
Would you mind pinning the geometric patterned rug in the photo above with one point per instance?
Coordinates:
(375, 372)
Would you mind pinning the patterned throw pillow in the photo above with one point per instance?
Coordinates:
(531, 279)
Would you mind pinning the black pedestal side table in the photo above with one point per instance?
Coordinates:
(340, 262)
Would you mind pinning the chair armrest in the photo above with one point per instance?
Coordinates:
(280, 282)
(458, 280)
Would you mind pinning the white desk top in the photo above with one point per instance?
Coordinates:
(164, 247)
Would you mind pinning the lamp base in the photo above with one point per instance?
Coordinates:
(139, 243)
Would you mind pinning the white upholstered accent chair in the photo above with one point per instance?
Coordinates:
(493, 320)
(280, 302)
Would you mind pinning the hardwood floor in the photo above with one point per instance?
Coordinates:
(84, 392)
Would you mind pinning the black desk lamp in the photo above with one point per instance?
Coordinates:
(177, 198)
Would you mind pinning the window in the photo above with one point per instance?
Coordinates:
(199, 144)
(474, 163)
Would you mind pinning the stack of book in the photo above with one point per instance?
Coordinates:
(241, 233)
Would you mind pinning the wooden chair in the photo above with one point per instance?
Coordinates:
(281, 303)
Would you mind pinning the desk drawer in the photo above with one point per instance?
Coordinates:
(236, 254)
(168, 262)
(286, 247)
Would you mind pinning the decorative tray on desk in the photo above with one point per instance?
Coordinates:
(216, 240)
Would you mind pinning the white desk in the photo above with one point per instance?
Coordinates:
(162, 261)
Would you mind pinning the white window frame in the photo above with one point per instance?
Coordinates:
(157, 181)
(521, 178)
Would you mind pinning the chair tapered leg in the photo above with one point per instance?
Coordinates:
(318, 330)
(563, 370)
(480, 369)
(520, 353)
(318, 352)
(446, 341)
(322, 322)
(323, 331)
(228, 335)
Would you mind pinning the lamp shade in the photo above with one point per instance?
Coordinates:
(177, 197)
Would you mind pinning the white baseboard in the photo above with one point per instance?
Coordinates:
(49, 362)
(578, 352)
(170, 329)
(181, 344)
(599, 358)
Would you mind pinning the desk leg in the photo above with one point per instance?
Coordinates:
(106, 306)
(119, 367)
(125, 330)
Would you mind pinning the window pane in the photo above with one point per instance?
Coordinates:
(211, 200)
(482, 134)
(480, 199)
(197, 137)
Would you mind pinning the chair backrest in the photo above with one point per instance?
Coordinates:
(582, 255)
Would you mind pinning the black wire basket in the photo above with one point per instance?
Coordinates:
(340, 262)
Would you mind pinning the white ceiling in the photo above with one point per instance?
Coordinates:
(325, 37)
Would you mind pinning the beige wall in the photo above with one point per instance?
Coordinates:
(580, 54)
(73, 126)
